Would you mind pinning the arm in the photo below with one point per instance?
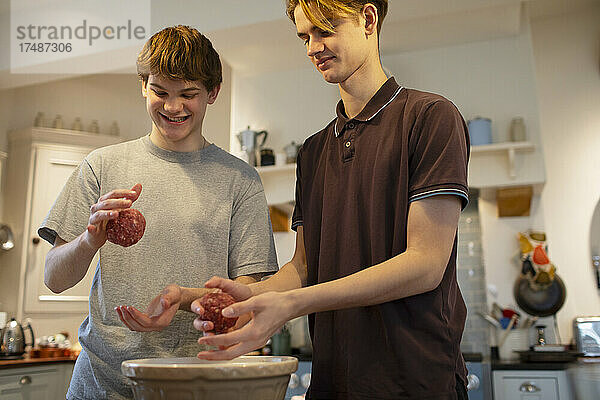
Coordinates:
(431, 229)
(162, 308)
(68, 262)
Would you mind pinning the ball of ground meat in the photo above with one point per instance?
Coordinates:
(127, 229)
(213, 304)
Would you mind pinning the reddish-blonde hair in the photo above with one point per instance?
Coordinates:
(180, 53)
(321, 12)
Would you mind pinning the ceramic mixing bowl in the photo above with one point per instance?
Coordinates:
(243, 378)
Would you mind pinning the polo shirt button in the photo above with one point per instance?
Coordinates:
(351, 125)
(348, 143)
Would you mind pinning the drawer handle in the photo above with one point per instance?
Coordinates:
(25, 380)
(529, 387)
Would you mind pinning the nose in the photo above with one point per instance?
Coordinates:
(173, 105)
(314, 47)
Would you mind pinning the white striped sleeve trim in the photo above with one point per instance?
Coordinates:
(297, 224)
(437, 192)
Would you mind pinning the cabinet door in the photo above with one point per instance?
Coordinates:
(527, 385)
(29, 384)
(52, 168)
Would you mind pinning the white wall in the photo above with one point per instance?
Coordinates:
(567, 59)
(289, 105)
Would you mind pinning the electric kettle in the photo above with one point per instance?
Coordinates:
(13, 342)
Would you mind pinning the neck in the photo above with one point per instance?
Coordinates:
(192, 142)
(359, 88)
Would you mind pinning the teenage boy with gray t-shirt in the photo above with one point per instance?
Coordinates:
(205, 211)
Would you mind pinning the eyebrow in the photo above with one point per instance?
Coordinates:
(181, 91)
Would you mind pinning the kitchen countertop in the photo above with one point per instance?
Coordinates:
(27, 361)
(529, 366)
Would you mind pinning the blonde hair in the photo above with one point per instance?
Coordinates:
(180, 53)
(321, 12)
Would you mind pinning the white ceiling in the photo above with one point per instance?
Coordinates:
(256, 36)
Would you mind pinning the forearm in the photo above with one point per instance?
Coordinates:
(408, 274)
(289, 277)
(67, 264)
(188, 295)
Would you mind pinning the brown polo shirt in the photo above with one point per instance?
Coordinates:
(355, 182)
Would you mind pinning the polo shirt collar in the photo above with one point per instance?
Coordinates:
(384, 96)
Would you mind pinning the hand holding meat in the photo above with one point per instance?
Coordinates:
(269, 312)
(158, 315)
(107, 208)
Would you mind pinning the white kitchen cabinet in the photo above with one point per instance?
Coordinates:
(41, 161)
(531, 385)
(43, 382)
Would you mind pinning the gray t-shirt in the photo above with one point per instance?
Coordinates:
(206, 215)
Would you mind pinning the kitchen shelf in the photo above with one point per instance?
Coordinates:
(510, 148)
(279, 182)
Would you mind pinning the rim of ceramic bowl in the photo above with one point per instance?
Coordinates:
(188, 368)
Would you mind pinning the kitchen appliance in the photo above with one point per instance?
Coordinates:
(267, 157)
(249, 141)
(291, 151)
(12, 345)
(480, 131)
(586, 332)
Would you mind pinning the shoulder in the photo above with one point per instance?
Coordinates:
(229, 165)
(120, 151)
(421, 102)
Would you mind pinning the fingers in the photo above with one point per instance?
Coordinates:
(228, 353)
(111, 204)
(203, 325)
(196, 307)
(137, 188)
(122, 193)
(100, 216)
(239, 308)
(232, 338)
(135, 320)
(235, 289)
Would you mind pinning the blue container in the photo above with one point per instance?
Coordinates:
(480, 131)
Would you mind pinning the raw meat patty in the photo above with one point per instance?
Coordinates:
(127, 229)
(213, 304)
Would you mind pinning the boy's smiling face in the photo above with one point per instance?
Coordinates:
(177, 109)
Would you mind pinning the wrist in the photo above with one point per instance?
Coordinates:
(85, 244)
(296, 304)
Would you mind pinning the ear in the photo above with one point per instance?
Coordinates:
(212, 95)
(144, 89)
(369, 13)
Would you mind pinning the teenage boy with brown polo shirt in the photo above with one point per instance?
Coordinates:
(378, 196)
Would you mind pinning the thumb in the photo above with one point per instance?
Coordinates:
(240, 308)
(138, 189)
